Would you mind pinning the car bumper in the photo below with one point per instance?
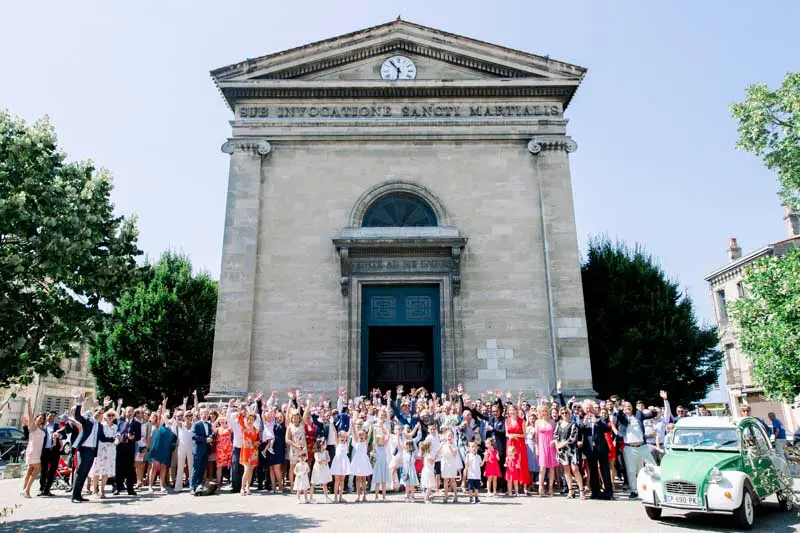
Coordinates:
(719, 498)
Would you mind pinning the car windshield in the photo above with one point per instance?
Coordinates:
(706, 438)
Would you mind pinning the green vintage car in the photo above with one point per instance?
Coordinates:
(717, 465)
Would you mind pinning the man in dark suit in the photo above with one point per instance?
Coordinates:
(86, 444)
(202, 437)
(592, 442)
(129, 432)
(496, 429)
(51, 452)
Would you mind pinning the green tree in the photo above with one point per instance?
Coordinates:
(159, 338)
(767, 322)
(643, 334)
(769, 127)
(62, 250)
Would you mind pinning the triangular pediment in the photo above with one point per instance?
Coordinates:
(439, 56)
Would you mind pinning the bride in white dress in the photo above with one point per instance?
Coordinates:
(105, 461)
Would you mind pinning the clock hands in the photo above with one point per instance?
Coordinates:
(395, 66)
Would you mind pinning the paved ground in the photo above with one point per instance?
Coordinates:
(267, 513)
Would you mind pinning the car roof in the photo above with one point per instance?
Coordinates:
(700, 422)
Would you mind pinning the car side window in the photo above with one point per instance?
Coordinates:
(16, 434)
(761, 441)
(4, 434)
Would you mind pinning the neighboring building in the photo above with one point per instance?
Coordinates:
(717, 400)
(727, 284)
(399, 211)
(49, 393)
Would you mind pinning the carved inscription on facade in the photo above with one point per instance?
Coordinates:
(365, 266)
(397, 111)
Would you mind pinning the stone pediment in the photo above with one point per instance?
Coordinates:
(355, 59)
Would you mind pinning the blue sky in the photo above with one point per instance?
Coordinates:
(126, 84)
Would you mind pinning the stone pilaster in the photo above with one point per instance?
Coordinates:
(230, 371)
(568, 333)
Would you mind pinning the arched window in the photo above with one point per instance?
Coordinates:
(399, 210)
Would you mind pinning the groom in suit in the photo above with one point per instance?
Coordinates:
(202, 437)
(592, 441)
(86, 444)
(129, 432)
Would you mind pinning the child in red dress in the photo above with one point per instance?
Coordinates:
(513, 474)
(492, 468)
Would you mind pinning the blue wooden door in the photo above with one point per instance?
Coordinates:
(400, 306)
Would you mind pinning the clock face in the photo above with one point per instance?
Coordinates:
(398, 68)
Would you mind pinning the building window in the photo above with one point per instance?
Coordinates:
(722, 305)
(740, 289)
(75, 364)
(59, 404)
(399, 210)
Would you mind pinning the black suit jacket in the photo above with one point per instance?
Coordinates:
(87, 424)
(594, 442)
(126, 427)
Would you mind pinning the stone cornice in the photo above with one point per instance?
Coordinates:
(551, 142)
(237, 91)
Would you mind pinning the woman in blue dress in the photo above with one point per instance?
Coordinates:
(277, 456)
(161, 453)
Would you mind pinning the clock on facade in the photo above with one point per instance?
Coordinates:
(398, 68)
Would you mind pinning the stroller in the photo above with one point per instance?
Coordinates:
(63, 475)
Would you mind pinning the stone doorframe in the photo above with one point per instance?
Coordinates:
(401, 256)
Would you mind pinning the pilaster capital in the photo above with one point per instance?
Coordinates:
(552, 142)
(260, 147)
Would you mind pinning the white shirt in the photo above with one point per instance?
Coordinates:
(91, 442)
(268, 433)
(184, 436)
(233, 423)
(633, 435)
(331, 434)
(473, 466)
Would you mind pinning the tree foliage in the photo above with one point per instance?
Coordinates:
(769, 127)
(643, 334)
(159, 338)
(767, 321)
(62, 250)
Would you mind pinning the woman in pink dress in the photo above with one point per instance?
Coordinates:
(515, 438)
(33, 454)
(546, 448)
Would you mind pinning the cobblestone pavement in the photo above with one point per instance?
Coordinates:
(227, 512)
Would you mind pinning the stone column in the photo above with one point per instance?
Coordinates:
(230, 369)
(568, 333)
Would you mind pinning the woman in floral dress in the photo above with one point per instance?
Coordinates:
(248, 458)
(105, 461)
(224, 444)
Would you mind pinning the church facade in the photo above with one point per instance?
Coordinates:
(399, 211)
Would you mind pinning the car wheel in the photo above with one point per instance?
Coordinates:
(745, 515)
(653, 513)
(785, 501)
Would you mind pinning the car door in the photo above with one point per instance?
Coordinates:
(760, 450)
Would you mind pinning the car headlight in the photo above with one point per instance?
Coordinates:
(651, 470)
(715, 476)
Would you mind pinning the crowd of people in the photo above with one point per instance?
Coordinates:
(440, 446)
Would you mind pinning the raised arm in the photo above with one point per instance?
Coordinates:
(31, 422)
(667, 408)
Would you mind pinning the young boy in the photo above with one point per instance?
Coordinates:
(473, 465)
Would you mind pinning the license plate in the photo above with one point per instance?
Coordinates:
(679, 499)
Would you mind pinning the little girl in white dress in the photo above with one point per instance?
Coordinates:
(427, 478)
(340, 466)
(360, 465)
(301, 484)
(321, 474)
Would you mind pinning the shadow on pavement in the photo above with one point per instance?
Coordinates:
(768, 518)
(155, 523)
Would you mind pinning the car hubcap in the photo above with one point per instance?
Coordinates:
(748, 508)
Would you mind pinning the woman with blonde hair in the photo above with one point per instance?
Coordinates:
(546, 448)
(104, 465)
(33, 453)
(296, 437)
